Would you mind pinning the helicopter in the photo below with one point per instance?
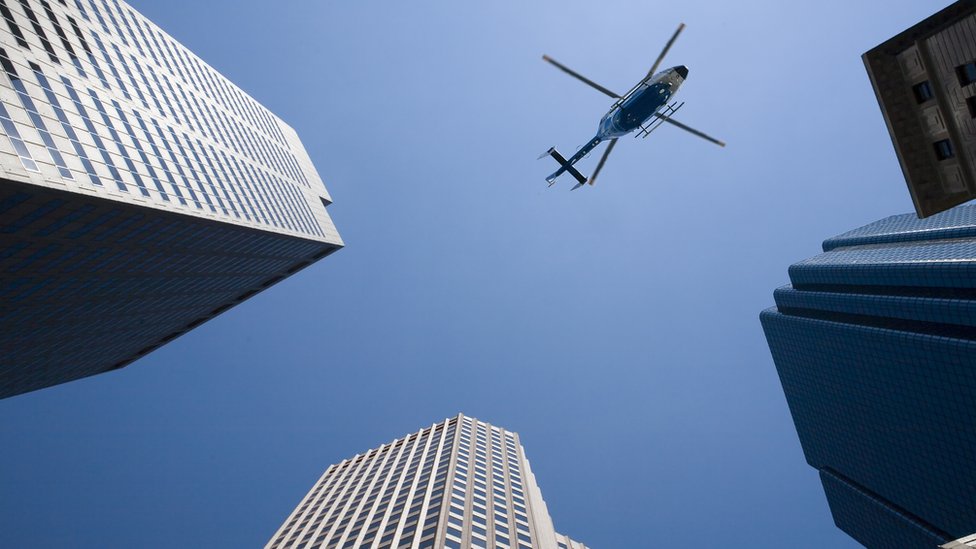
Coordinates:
(642, 109)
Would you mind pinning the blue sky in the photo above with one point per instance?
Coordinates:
(615, 328)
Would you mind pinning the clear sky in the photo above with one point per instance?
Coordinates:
(615, 328)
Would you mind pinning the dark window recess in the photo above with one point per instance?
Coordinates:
(39, 30)
(966, 73)
(923, 91)
(943, 149)
(5, 11)
(58, 29)
(971, 103)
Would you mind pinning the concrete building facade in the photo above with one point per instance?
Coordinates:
(141, 192)
(875, 345)
(459, 483)
(925, 81)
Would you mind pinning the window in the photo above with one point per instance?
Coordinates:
(943, 149)
(14, 28)
(39, 30)
(971, 103)
(923, 92)
(28, 103)
(966, 73)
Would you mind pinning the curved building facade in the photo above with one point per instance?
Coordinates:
(875, 345)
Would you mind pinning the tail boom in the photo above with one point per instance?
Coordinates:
(564, 166)
(568, 165)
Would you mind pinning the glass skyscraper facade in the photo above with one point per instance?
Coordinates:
(141, 192)
(459, 483)
(875, 345)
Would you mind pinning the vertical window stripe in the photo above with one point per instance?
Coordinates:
(94, 134)
(64, 38)
(279, 206)
(125, 22)
(262, 194)
(145, 81)
(193, 172)
(176, 162)
(132, 79)
(98, 15)
(220, 183)
(111, 65)
(115, 24)
(159, 88)
(249, 196)
(285, 201)
(230, 182)
(203, 170)
(28, 103)
(159, 156)
(308, 211)
(88, 51)
(159, 48)
(11, 130)
(81, 10)
(65, 124)
(140, 150)
(39, 30)
(13, 26)
(118, 142)
(149, 47)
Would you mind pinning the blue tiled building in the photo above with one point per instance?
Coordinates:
(141, 192)
(875, 345)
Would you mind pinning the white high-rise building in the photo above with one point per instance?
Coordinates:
(141, 192)
(459, 483)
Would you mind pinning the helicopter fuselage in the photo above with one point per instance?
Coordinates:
(639, 104)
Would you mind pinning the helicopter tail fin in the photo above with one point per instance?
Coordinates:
(564, 166)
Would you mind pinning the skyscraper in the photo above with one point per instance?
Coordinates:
(875, 345)
(459, 483)
(141, 192)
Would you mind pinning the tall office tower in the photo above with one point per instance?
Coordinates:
(141, 192)
(925, 80)
(875, 345)
(459, 483)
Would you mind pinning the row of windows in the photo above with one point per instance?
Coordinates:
(923, 92)
(178, 62)
(966, 74)
(402, 473)
(296, 215)
(507, 499)
(378, 486)
(277, 203)
(112, 227)
(191, 72)
(226, 131)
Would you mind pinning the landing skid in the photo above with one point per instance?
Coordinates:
(658, 119)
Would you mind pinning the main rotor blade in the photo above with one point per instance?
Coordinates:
(691, 130)
(664, 52)
(579, 76)
(603, 160)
